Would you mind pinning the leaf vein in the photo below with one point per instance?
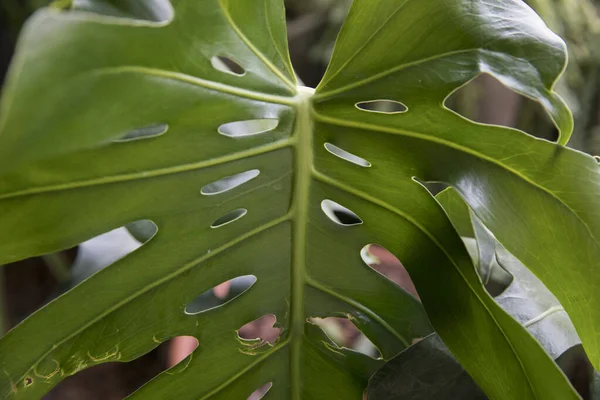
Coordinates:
(151, 173)
(422, 136)
(159, 282)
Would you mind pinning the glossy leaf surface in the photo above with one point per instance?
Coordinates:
(427, 370)
(512, 285)
(71, 168)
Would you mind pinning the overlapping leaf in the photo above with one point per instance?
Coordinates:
(425, 371)
(71, 168)
(512, 285)
(428, 371)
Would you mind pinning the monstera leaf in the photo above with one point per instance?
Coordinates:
(512, 285)
(427, 370)
(190, 117)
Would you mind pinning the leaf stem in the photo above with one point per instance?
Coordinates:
(303, 145)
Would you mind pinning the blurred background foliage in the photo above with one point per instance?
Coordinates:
(312, 29)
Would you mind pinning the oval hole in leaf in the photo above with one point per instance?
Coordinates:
(385, 263)
(230, 217)
(340, 214)
(345, 334)
(261, 391)
(343, 154)
(249, 127)
(382, 106)
(228, 183)
(228, 65)
(104, 250)
(261, 329)
(144, 133)
(158, 11)
(486, 100)
(180, 348)
(209, 301)
(143, 230)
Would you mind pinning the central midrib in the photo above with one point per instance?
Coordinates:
(303, 158)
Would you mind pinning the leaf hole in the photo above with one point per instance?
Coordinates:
(230, 217)
(262, 330)
(217, 297)
(27, 381)
(340, 214)
(344, 334)
(343, 154)
(104, 250)
(142, 230)
(486, 100)
(180, 349)
(87, 379)
(228, 65)
(261, 391)
(154, 11)
(147, 132)
(382, 106)
(228, 183)
(41, 279)
(385, 263)
(248, 128)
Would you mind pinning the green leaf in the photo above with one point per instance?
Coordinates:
(90, 181)
(424, 371)
(528, 300)
(483, 249)
(513, 286)
(458, 211)
(107, 120)
(427, 370)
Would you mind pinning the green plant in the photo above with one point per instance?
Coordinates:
(427, 370)
(115, 113)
